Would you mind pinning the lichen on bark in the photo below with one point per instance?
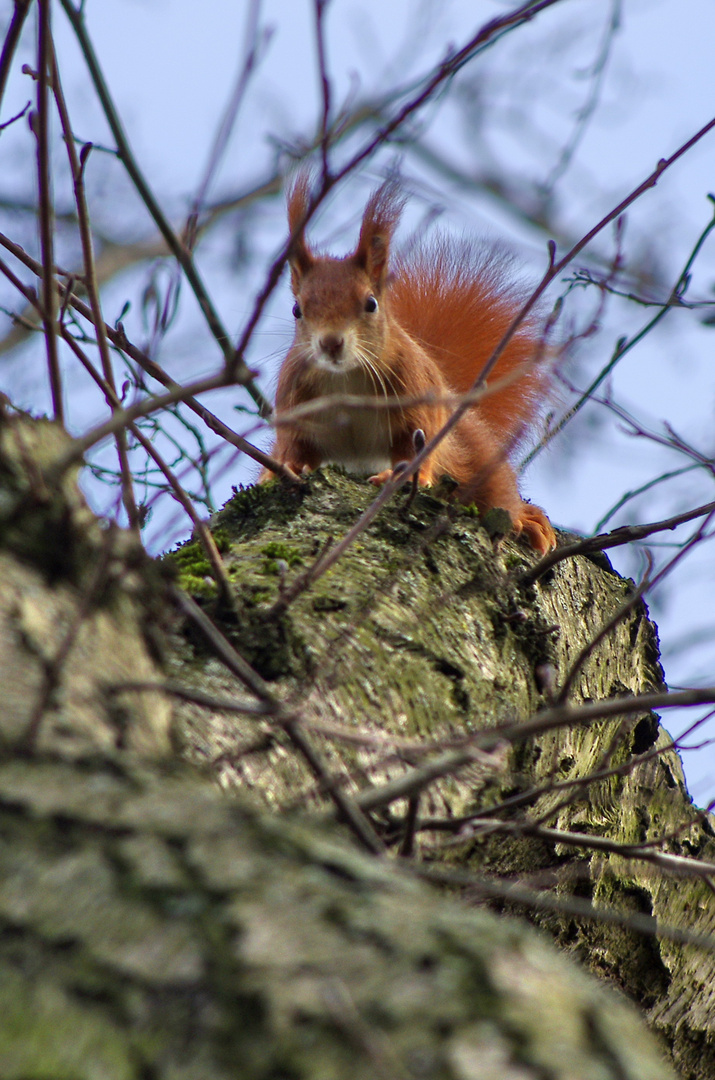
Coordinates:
(76, 610)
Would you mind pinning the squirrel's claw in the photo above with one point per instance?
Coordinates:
(536, 527)
(380, 478)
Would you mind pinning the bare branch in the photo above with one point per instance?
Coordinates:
(415, 780)
(676, 864)
(288, 721)
(238, 370)
(40, 126)
(542, 900)
(11, 39)
(253, 47)
(324, 135)
(119, 339)
(90, 280)
(625, 534)
(624, 345)
(570, 716)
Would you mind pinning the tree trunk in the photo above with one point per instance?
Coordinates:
(153, 926)
(421, 633)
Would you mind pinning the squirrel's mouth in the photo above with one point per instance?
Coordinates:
(342, 359)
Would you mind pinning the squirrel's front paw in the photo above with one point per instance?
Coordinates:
(388, 474)
(380, 478)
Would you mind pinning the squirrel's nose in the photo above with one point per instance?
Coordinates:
(332, 346)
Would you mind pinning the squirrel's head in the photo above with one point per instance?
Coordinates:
(341, 308)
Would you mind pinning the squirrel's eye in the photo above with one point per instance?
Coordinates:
(371, 304)
(297, 313)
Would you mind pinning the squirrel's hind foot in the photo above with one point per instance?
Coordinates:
(536, 527)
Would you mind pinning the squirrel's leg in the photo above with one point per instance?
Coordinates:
(493, 484)
(298, 454)
(403, 450)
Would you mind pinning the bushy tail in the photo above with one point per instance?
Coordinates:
(458, 301)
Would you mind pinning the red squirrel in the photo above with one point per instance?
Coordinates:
(425, 326)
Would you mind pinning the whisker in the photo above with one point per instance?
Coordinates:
(378, 379)
(385, 378)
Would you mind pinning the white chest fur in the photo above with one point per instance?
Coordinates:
(359, 439)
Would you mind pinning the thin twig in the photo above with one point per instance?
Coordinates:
(450, 66)
(414, 781)
(584, 715)
(534, 900)
(10, 43)
(533, 794)
(407, 841)
(587, 110)
(647, 584)
(196, 697)
(679, 864)
(236, 366)
(324, 135)
(330, 556)
(553, 270)
(624, 346)
(625, 534)
(635, 492)
(123, 417)
(338, 732)
(608, 627)
(289, 722)
(119, 339)
(204, 534)
(39, 122)
(327, 404)
(228, 120)
(77, 166)
(446, 70)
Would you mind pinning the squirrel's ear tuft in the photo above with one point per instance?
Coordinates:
(380, 219)
(300, 256)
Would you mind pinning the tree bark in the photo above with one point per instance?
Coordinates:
(151, 925)
(422, 633)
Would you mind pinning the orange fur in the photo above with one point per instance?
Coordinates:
(427, 328)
